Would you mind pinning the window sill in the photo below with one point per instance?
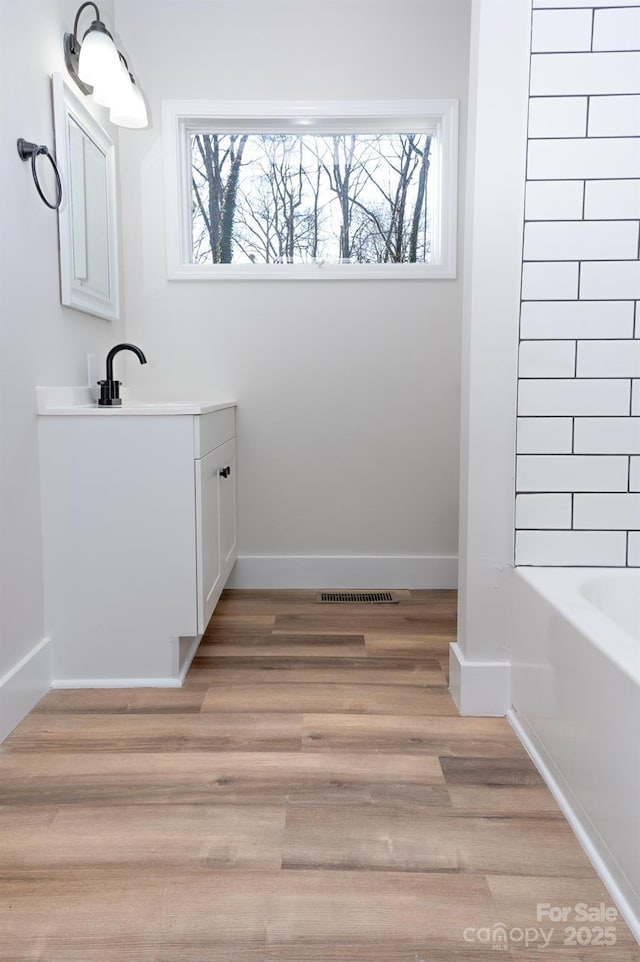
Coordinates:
(311, 272)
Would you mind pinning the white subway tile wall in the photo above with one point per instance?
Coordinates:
(543, 511)
(609, 359)
(558, 117)
(606, 511)
(561, 30)
(541, 282)
(576, 319)
(617, 29)
(566, 74)
(610, 280)
(578, 436)
(572, 548)
(580, 158)
(558, 199)
(606, 436)
(547, 397)
(606, 198)
(580, 240)
(545, 436)
(571, 472)
(614, 117)
(548, 358)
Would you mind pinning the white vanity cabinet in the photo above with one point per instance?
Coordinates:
(139, 537)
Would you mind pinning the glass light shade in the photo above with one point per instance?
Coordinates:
(130, 111)
(115, 90)
(98, 62)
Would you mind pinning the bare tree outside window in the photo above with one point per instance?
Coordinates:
(269, 198)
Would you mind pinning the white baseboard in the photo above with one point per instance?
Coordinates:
(479, 687)
(185, 649)
(188, 658)
(297, 571)
(117, 683)
(23, 686)
(594, 846)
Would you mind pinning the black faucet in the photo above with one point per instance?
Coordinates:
(110, 389)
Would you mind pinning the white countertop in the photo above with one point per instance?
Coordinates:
(78, 401)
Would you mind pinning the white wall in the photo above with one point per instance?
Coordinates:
(41, 342)
(348, 391)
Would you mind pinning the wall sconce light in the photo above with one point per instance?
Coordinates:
(98, 68)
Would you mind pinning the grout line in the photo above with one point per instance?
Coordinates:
(578, 53)
(582, 300)
(579, 377)
(585, 6)
(582, 139)
(590, 139)
(544, 180)
(626, 557)
(524, 224)
(593, 27)
(582, 95)
(583, 260)
(579, 272)
(578, 220)
(586, 131)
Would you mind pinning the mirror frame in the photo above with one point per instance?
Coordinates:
(67, 106)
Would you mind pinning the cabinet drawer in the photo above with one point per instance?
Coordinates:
(212, 430)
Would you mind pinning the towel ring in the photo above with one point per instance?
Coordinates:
(28, 150)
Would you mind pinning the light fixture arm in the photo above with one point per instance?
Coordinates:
(74, 40)
(72, 45)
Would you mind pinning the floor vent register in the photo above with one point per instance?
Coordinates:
(357, 598)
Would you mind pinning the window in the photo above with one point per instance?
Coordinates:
(305, 190)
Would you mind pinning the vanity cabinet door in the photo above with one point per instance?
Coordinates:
(212, 526)
(228, 535)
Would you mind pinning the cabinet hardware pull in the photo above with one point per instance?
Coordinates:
(225, 472)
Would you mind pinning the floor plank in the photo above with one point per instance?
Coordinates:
(174, 732)
(282, 646)
(218, 675)
(118, 700)
(336, 697)
(441, 735)
(121, 778)
(383, 839)
(168, 836)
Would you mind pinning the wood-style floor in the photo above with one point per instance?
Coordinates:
(310, 795)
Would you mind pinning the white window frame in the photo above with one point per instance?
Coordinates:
(180, 118)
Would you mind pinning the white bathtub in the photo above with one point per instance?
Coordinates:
(575, 693)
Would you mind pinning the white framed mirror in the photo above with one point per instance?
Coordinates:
(87, 217)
